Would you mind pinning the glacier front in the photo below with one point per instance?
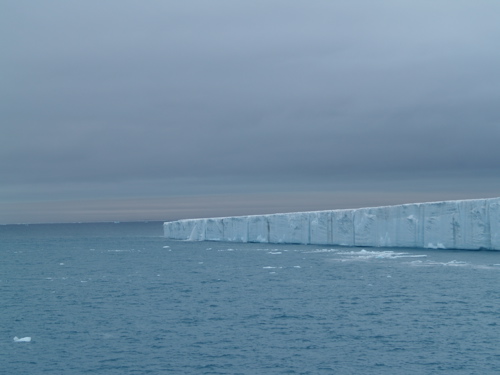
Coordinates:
(461, 224)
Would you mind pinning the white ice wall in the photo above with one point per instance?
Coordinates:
(466, 224)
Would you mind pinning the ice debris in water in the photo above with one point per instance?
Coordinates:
(22, 339)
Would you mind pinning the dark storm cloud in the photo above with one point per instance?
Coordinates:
(102, 98)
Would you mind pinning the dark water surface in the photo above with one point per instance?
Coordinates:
(120, 299)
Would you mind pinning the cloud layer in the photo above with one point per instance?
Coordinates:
(128, 99)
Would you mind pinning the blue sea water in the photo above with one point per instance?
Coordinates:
(118, 298)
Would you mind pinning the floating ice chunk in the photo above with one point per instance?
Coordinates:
(22, 339)
(438, 245)
(166, 247)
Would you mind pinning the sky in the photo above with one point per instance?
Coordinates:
(125, 110)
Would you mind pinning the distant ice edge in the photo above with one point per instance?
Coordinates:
(462, 224)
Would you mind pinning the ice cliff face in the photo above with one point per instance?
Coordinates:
(465, 224)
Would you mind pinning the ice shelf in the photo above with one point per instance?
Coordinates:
(462, 224)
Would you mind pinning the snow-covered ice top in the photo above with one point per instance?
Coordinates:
(461, 224)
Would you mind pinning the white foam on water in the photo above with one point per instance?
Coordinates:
(366, 254)
(485, 267)
(453, 263)
(321, 251)
(373, 254)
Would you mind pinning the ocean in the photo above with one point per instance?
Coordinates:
(118, 298)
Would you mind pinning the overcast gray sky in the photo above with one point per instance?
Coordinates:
(137, 110)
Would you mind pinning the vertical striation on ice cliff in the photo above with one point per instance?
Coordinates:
(464, 224)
